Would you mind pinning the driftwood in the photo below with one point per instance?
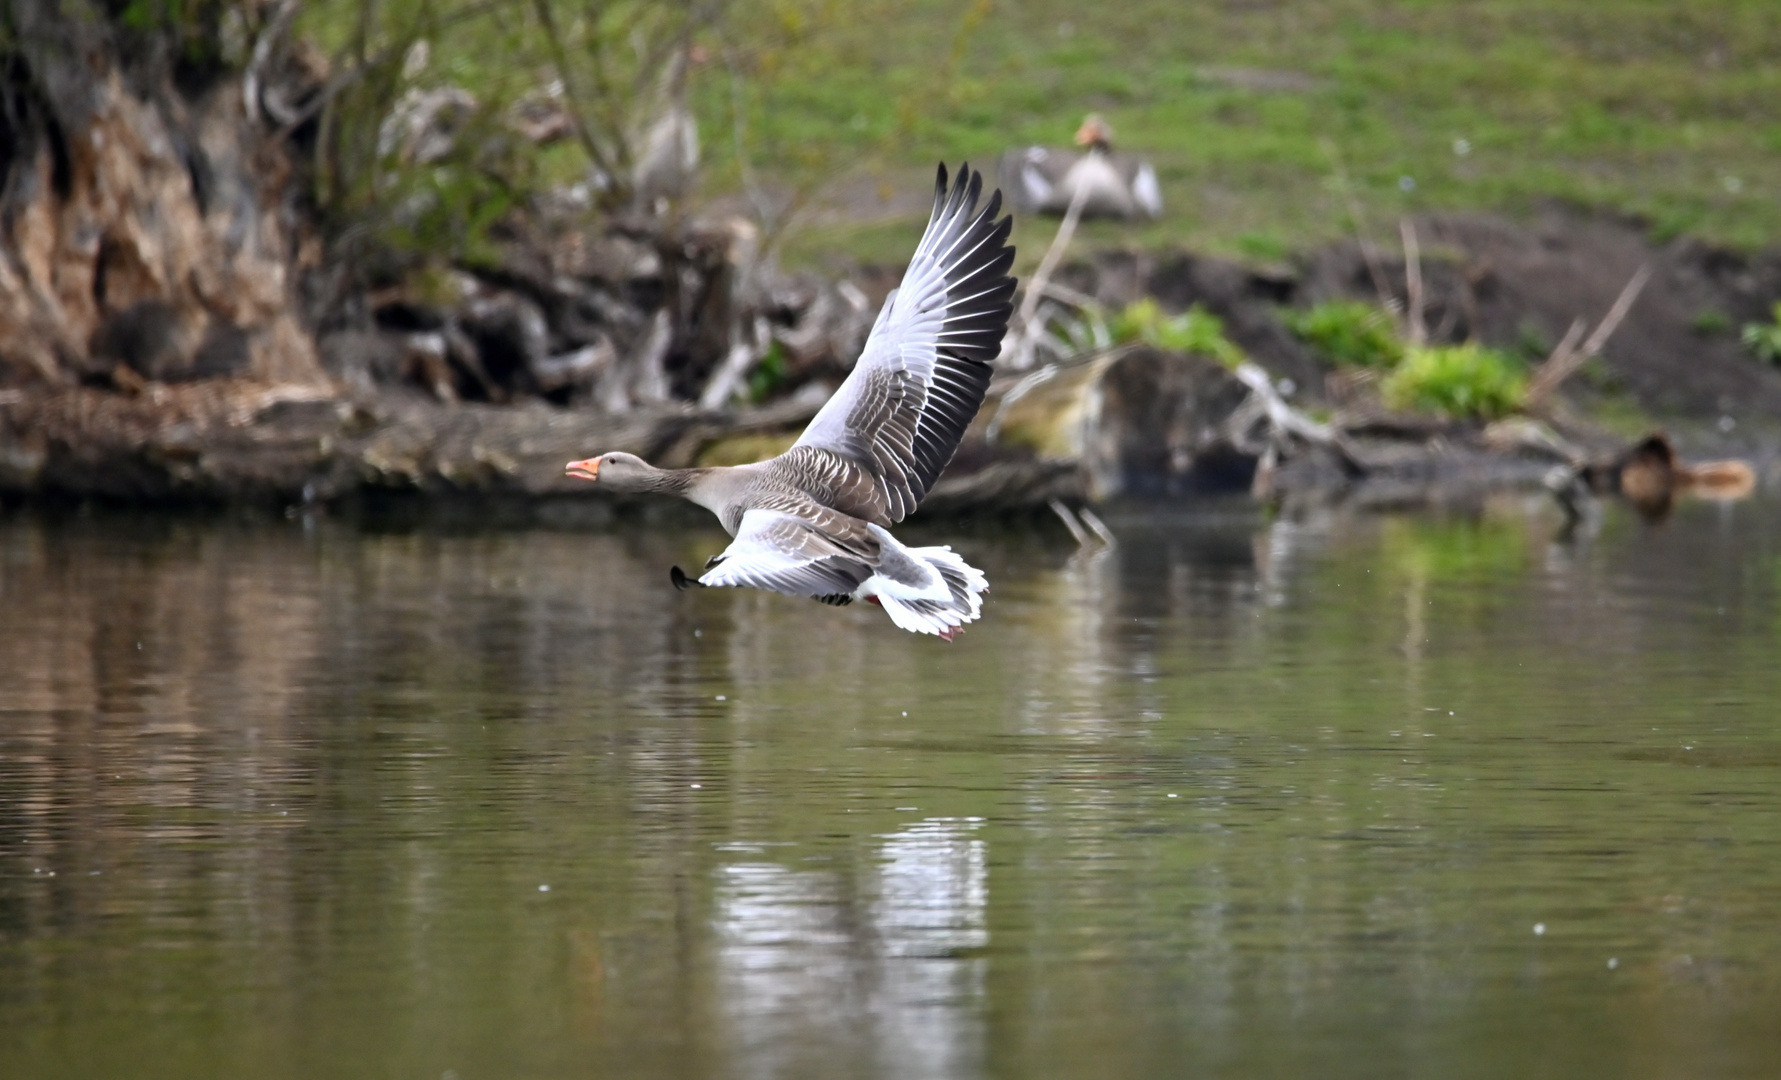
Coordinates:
(290, 443)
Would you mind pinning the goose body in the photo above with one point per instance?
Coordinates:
(1043, 180)
(815, 521)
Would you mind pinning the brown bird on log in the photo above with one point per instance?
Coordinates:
(1650, 475)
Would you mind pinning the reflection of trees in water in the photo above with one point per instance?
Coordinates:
(1063, 646)
(1099, 630)
(148, 673)
(218, 735)
(818, 980)
(339, 750)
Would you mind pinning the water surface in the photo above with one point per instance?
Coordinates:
(1343, 796)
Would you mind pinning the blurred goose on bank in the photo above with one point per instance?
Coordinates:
(666, 149)
(815, 521)
(1043, 180)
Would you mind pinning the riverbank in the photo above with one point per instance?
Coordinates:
(1135, 422)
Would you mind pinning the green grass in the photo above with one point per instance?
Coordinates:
(1467, 380)
(1665, 110)
(1764, 339)
(1348, 333)
(1268, 123)
(1195, 330)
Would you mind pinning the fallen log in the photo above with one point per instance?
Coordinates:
(232, 441)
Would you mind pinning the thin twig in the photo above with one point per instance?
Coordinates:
(1416, 331)
(1027, 330)
(738, 136)
(1099, 527)
(269, 38)
(1568, 344)
(1367, 253)
(1059, 244)
(559, 58)
(1064, 515)
(1561, 366)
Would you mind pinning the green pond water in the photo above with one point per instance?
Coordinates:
(1344, 796)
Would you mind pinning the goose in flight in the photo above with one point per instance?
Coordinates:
(1043, 180)
(815, 521)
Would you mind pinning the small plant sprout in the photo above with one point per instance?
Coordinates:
(1764, 339)
(1195, 330)
(1349, 333)
(1467, 380)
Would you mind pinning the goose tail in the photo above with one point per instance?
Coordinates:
(1719, 479)
(965, 586)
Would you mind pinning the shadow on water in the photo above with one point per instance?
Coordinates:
(1332, 795)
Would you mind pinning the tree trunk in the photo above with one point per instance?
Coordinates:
(147, 229)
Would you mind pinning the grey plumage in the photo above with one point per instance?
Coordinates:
(1045, 180)
(814, 520)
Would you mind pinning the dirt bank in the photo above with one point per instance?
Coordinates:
(1157, 424)
(1676, 361)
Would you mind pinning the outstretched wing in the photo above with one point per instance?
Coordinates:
(922, 375)
(789, 554)
(1146, 192)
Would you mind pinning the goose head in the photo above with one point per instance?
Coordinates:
(617, 470)
(1095, 133)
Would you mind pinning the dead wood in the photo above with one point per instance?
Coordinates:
(239, 440)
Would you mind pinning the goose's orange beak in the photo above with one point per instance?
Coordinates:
(1093, 130)
(585, 470)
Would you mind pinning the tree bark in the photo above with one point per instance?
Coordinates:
(147, 230)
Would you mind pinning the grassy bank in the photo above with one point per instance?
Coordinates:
(1269, 122)
(1264, 118)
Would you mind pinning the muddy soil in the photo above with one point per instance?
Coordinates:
(1677, 359)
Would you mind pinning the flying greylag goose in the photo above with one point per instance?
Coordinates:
(1043, 180)
(815, 520)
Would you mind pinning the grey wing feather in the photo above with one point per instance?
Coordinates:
(926, 365)
(1031, 176)
(788, 554)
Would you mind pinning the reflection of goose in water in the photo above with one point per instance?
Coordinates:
(1043, 180)
(826, 974)
(815, 520)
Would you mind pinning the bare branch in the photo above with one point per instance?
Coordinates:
(1367, 253)
(1026, 331)
(559, 58)
(1562, 365)
(1415, 330)
(274, 32)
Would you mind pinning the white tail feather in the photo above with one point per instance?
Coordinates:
(964, 603)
